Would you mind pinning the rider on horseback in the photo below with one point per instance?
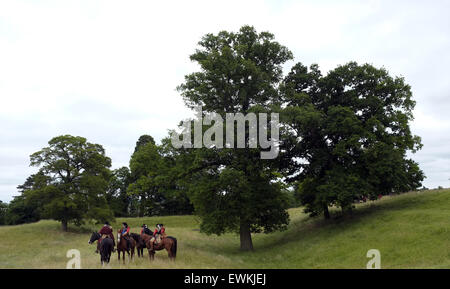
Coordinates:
(160, 232)
(145, 230)
(105, 232)
(126, 234)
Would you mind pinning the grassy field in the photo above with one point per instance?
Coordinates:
(410, 231)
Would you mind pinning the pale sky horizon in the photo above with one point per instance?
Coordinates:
(108, 70)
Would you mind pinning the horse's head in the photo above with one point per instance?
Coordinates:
(94, 237)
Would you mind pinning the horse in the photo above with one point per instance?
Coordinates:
(122, 246)
(169, 243)
(140, 244)
(106, 247)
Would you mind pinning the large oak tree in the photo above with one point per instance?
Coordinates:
(234, 190)
(352, 134)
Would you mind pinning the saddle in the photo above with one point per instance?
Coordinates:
(103, 237)
(159, 238)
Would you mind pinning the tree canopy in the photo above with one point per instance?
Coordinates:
(352, 127)
(76, 176)
(153, 182)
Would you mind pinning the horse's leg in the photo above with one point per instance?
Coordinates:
(151, 255)
(169, 251)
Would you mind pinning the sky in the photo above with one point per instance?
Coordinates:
(108, 70)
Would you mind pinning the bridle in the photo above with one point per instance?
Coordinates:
(97, 237)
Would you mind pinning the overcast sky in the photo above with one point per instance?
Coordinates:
(107, 70)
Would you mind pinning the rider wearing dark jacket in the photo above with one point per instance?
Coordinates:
(145, 230)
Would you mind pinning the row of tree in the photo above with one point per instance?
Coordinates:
(344, 136)
(74, 183)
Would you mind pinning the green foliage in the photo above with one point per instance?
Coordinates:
(352, 127)
(23, 209)
(3, 211)
(117, 196)
(19, 212)
(143, 140)
(238, 70)
(154, 184)
(76, 175)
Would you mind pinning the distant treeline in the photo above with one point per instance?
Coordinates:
(65, 186)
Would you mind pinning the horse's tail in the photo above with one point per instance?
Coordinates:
(107, 246)
(174, 247)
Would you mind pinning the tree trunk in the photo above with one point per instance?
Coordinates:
(64, 225)
(246, 237)
(350, 211)
(326, 213)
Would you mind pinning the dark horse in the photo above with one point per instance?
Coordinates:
(169, 243)
(106, 247)
(122, 246)
(140, 244)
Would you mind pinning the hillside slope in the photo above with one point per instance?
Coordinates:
(410, 231)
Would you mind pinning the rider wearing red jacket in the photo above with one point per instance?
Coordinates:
(105, 231)
(160, 231)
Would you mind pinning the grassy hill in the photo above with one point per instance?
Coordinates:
(410, 231)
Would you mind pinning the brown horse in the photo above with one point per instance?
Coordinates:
(122, 246)
(169, 243)
(140, 245)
